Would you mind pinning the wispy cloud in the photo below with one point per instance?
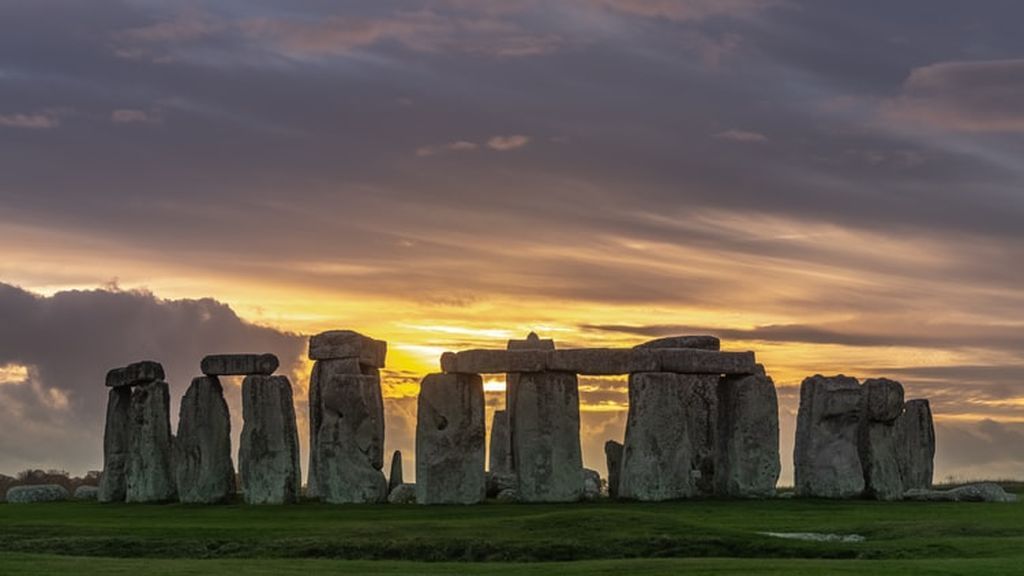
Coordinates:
(134, 116)
(495, 143)
(506, 143)
(31, 121)
(745, 136)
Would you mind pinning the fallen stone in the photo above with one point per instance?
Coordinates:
(748, 463)
(670, 437)
(499, 457)
(203, 468)
(268, 454)
(984, 492)
(599, 361)
(697, 342)
(591, 484)
(134, 374)
(87, 493)
(815, 536)
(403, 494)
(239, 364)
(613, 457)
(35, 494)
(826, 457)
(508, 495)
(450, 440)
(149, 474)
(915, 441)
(395, 476)
(350, 439)
(341, 344)
(878, 443)
(548, 462)
(116, 445)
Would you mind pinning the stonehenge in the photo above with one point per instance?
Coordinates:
(450, 440)
(116, 438)
(203, 469)
(826, 459)
(149, 475)
(882, 404)
(747, 461)
(545, 429)
(268, 455)
(915, 438)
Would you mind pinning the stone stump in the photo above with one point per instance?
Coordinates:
(150, 468)
(116, 444)
(350, 442)
(748, 463)
(499, 461)
(826, 458)
(268, 455)
(450, 440)
(613, 457)
(395, 476)
(204, 471)
(915, 441)
(881, 406)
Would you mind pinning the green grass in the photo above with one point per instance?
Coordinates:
(716, 537)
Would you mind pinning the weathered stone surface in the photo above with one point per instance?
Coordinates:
(239, 364)
(395, 476)
(747, 464)
(403, 494)
(500, 481)
(602, 361)
(38, 493)
(531, 342)
(500, 459)
(340, 344)
(508, 495)
(690, 361)
(878, 443)
(591, 484)
(87, 493)
(134, 374)
(546, 437)
(599, 361)
(350, 439)
(613, 457)
(450, 446)
(149, 475)
(116, 444)
(670, 437)
(984, 492)
(826, 458)
(268, 454)
(915, 441)
(698, 342)
(203, 468)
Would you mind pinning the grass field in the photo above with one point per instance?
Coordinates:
(714, 537)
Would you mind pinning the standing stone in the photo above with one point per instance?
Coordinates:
(748, 463)
(613, 456)
(826, 458)
(202, 449)
(531, 342)
(350, 440)
(450, 440)
(500, 459)
(116, 444)
(882, 404)
(915, 442)
(150, 470)
(591, 484)
(395, 477)
(670, 436)
(268, 455)
(545, 427)
(327, 367)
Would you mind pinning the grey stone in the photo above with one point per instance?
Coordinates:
(350, 439)
(602, 361)
(35, 494)
(591, 484)
(500, 459)
(450, 440)
(506, 459)
(87, 493)
(545, 431)
(748, 463)
(613, 457)
(402, 494)
(532, 342)
(508, 495)
(134, 374)
(149, 474)
(328, 367)
(496, 482)
(878, 443)
(203, 468)
(341, 344)
(599, 361)
(268, 454)
(915, 441)
(395, 476)
(984, 492)
(692, 361)
(116, 444)
(698, 342)
(239, 364)
(670, 437)
(826, 457)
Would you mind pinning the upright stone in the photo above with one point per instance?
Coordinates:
(116, 445)
(882, 404)
(268, 455)
(670, 437)
(450, 440)
(613, 457)
(915, 441)
(826, 458)
(395, 477)
(748, 463)
(150, 471)
(202, 449)
(545, 428)
(350, 440)
(531, 342)
(500, 461)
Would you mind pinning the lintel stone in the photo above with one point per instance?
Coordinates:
(599, 361)
(341, 344)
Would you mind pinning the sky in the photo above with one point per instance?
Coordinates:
(834, 185)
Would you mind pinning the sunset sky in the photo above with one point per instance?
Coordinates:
(838, 186)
